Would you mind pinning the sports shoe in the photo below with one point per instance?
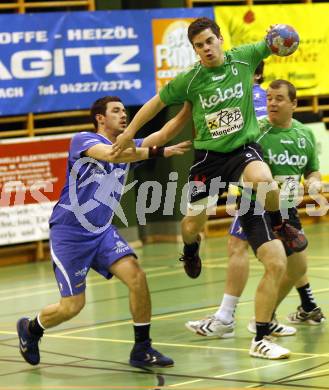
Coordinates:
(276, 329)
(211, 327)
(192, 264)
(293, 238)
(143, 355)
(28, 343)
(314, 317)
(267, 349)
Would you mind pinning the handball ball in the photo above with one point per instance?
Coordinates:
(282, 39)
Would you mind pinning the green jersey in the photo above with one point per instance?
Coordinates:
(288, 152)
(221, 97)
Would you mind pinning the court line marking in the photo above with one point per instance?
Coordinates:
(276, 364)
(194, 311)
(111, 387)
(157, 317)
(207, 378)
(90, 277)
(115, 281)
(206, 263)
(49, 273)
(299, 376)
(305, 356)
(160, 317)
(24, 288)
(64, 337)
(164, 316)
(232, 373)
(101, 282)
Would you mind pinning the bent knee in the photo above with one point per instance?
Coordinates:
(273, 257)
(278, 265)
(258, 172)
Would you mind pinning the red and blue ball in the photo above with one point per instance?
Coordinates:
(282, 39)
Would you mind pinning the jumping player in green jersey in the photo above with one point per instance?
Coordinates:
(290, 150)
(219, 89)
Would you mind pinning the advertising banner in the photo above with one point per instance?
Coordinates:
(32, 174)
(307, 67)
(172, 49)
(66, 60)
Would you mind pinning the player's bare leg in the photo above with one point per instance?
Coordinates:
(131, 274)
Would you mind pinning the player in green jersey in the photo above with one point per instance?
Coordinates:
(290, 150)
(219, 89)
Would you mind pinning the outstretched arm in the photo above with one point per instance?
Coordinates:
(171, 129)
(104, 152)
(144, 115)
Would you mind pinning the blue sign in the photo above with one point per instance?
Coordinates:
(65, 60)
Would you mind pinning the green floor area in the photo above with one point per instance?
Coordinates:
(92, 350)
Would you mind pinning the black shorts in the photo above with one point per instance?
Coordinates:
(212, 172)
(258, 228)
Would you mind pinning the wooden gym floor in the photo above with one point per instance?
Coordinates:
(92, 350)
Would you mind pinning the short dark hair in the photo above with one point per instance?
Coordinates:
(276, 84)
(259, 72)
(99, 107)
(200, 24)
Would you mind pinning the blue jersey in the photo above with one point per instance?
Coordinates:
(93, 188)
(259, 96)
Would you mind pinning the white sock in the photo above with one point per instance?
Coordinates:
(39, 322)
(225, 313)
(141, 323)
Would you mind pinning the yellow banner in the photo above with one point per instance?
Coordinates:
(172, 50)
(307, 68)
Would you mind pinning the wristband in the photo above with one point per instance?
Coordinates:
(156, 151)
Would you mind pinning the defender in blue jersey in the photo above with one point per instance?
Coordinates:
(82, 235)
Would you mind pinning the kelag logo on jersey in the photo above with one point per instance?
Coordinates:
(286, 159)
(233, 92)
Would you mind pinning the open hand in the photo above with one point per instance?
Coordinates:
(178, 149)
